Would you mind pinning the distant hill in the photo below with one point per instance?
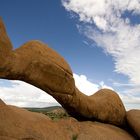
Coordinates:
(44, 109)
(54, 112)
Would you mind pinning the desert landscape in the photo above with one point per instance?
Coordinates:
(101, 116)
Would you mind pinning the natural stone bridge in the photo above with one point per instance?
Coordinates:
(35, 63)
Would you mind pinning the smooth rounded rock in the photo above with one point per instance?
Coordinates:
(133, 119)
(20, 124)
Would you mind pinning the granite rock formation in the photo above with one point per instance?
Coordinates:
(35, 63)
(133, 119)
(20, 124)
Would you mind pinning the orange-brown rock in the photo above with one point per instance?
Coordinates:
(20, 124)
(2, 103)
(133, 119)
(37, 64)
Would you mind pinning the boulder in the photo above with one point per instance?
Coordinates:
(107, 101)
(35, 63)
(20, 124)
(105, 106)
(133, 119)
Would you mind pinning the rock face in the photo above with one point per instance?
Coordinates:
(2, 103)
(37, 64)
(133, 119)
(20, 124)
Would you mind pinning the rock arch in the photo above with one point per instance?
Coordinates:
(35, 63)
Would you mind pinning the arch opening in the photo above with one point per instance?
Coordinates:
(22, 94)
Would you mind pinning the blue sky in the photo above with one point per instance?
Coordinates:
(92, 40)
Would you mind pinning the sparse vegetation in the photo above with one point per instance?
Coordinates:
(56, 116)
(74, 137)
(55, 113)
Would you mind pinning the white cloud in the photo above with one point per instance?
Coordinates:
(117, 36)
(117, 84)
(100, 22)
(130, 101)
(88, 87)
(102, 86)
(84, 85)
(23, 94)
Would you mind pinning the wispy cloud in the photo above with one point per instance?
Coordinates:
(88, 87)
(118, 36)
(25, 95)
(84, 85)
(117, 84)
